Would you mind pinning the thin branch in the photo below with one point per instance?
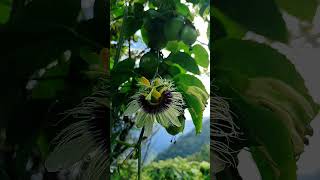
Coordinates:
(129, 47)
(202, 43)
(139, 153)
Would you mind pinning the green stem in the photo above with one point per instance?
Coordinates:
(158, 63)
(139, 153)
(139, 162)
(121, 38)
(125, 143)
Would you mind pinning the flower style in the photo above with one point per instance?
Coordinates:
(156, 101)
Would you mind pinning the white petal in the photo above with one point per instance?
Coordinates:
(173, 116)
(161, 118)
(140, 119)
(132, 108)
(148, 127)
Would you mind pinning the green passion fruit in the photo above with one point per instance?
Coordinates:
(188, 35)
(148, 64)
(153, 34)
(174, 130)
(173, 28)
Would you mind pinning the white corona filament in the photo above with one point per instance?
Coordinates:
(223, 126)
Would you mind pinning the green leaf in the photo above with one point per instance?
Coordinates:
(195, 96)
(118, 11)
(201, 55)
(265, 86)
(267, 167)
(262, 17)
(223, 26)
(122, 71)
(264, 127)
(203, 8)
(257, 60)
(303, 9)
(182, 9)
(188, 80)
(5, 9)
(287, 103)
(132, 25)
(175, 69)
(185, 61)
(176, 46)
(195, 107)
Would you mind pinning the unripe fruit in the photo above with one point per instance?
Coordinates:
(148, 64)
(189, 35)
(173, 28)
(153, 34)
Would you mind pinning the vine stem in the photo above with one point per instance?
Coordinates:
(121, 38)
(129, 47)
(202, 43)
(157, 70)
(139, 153)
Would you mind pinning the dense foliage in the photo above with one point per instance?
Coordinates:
(52, 54)
(171, 169)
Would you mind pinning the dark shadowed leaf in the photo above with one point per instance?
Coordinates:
(303, 9)
(258, 60)
(5, 8)
(262, 17)
(122, 71)
(224, 26)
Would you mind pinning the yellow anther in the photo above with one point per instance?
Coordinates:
(162, 90)
(144, 81)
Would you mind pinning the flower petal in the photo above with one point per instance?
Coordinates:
(132, 108)
(163, 120)
(148, 127)
(140, 119)
(173, 116)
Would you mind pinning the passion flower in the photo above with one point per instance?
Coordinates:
(156, 101)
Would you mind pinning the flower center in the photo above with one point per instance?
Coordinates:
(156, 105)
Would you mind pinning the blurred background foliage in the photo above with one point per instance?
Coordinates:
(244, 36)
(49, 49)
